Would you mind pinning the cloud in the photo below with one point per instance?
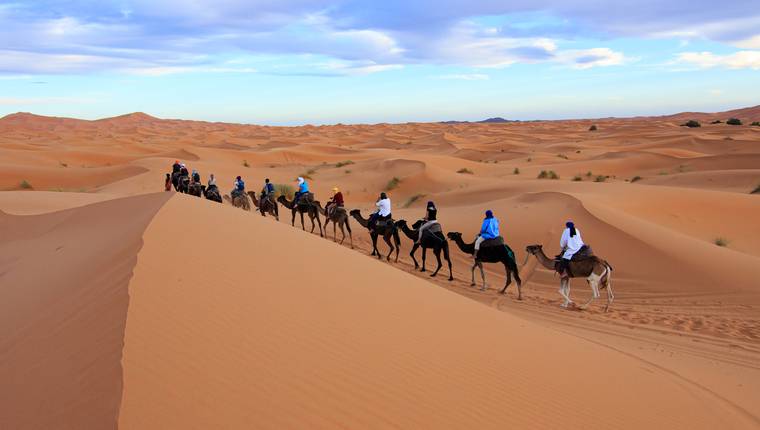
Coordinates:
(175, 36)
(737, 60)
(588, 58)
(466, 77)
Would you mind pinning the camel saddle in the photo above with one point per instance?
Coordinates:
(435, 231)
(306, 199)
(497, 241)
(583, 254)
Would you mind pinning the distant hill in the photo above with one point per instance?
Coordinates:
(494, 120)
(747, 115)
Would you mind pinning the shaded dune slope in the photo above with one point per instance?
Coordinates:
(64, 278)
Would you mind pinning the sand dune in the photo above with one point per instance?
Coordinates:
(234, 320)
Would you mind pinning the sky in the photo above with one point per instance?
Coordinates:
(289, 62)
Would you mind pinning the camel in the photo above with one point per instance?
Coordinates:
(311, 209)
(491, 254)
(183, 184)
(212, 193)
(436, 243)
(339, 217)
(386, 230)
(194, 189)
(596, 271)
(240, 201)
(269, 206)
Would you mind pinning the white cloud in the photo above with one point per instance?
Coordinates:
(594, 57)
(466, 77)
(737, 60)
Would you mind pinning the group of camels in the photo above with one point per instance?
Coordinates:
(595, 270)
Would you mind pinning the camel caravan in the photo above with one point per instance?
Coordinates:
(576, 259)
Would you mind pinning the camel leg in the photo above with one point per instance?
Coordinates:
(564, 291)
(483, 275)
(375, 251)
(508, 280)
(319, 223)
(387, 240)
(424, 258)
(593, 281)
(448, 259)
(610, 295)
(411, 254)
(293, 221)
(335, 230)
(437, 252)
(472, 272)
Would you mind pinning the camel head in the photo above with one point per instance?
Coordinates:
(534, 249)
(355, 212)
(282, 199)
(401, 223)
(454, 235)
(417, 224)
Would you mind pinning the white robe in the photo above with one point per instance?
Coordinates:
(571, 245)
(384, 207)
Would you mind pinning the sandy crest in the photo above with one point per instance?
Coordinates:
(265, 334)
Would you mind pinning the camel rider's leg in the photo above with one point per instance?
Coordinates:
(372, 220)
(478, 241)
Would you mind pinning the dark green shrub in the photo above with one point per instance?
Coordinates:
(691, 124)
(734, 121)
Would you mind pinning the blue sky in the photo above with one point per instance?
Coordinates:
(311, 61)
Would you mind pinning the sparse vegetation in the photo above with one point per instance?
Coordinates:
(635, 179)
(245, 163)
(465, 170)
(734, 121)
(63, 164)
(392, 184)
(589, 174)
(592, 128)
(721, 241)
(347, 171)
(663, 173)
(577, 178)
(717, 121)
(728, 138)
(25, 185)
(551, 174)
(516, 171)
(411, 200)
(755, 124)
(529, 159)
(600, 178)
(562, 156)
(343, 163)
(283, 190)
(691, 124)
(756, 190)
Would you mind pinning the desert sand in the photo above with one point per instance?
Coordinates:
(127, 306)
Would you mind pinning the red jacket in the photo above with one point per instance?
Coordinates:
(338, 198)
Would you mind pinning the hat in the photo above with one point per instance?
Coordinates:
(569, 224)
(489, 213)
(299, 180)
(239, 178)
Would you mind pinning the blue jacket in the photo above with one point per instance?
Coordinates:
(240, 185)
(490, 228)
(303, 188)
(270, 188)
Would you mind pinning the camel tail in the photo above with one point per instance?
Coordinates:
(605, 279)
